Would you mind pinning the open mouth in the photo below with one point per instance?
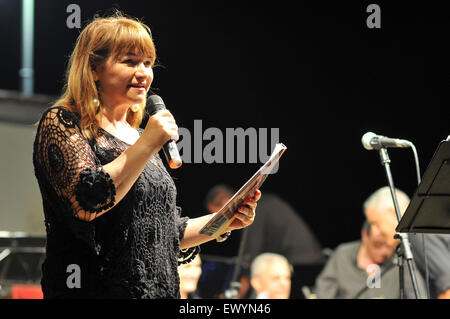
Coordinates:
(137, 86)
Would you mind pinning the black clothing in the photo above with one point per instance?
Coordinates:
(279, 229)
(130, 251)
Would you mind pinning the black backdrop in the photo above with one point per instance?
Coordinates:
(315, 71)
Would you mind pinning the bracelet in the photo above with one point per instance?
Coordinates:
(223, 237)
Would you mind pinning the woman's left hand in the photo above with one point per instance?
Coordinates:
(245, 214)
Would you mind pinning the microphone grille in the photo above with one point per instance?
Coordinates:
(154, 104)
(366, 139)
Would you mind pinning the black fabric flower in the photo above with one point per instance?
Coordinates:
(68, 119)
(55, 158)
(95, 190)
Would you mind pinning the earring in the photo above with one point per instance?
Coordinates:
(134, 108)
(96, 102)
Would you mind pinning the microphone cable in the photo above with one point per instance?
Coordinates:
(427, 275)
(416, 160)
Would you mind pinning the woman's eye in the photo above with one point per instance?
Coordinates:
(132, 62)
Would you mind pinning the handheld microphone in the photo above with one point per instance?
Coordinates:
(372, 141)
(155, 104)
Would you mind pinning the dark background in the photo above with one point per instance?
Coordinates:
(315, 71)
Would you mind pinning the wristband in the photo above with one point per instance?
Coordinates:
(223, 237)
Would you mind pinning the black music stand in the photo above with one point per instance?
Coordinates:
(429, 209)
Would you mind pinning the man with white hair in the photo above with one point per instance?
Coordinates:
(365, 268)
(270, 276)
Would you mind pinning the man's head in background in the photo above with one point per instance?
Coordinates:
(378, 233)
(217, 197)
(271, 276)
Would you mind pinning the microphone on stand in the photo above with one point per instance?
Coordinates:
(155, 104)
(372, 141)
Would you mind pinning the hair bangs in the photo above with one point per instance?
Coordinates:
(132, 36)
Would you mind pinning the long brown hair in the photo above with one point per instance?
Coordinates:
(102, 38)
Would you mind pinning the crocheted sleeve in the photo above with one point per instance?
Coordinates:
(185, 255)
(68, 163)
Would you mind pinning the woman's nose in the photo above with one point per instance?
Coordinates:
(142, 70)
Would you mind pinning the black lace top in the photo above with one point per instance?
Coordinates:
(131, 251)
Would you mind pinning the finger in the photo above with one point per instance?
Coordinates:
(251, 205)
(250, 202)
(257, 194)
(245, 219)
(174, 133)
(249, 199)
(244, 210)
(170, 121)
(164, 113)
(248, 211)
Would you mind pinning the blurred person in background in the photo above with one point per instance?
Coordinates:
(189, 276)
(432, 256)
(270, 276)
(349, 272)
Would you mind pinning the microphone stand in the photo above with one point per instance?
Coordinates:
(404, 249)
(233, 290)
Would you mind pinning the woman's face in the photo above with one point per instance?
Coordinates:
(125, 80)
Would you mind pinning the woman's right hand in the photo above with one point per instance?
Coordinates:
(160, 128)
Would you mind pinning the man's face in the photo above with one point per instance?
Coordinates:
(383, 221)
(378, 247)
(274, 280)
